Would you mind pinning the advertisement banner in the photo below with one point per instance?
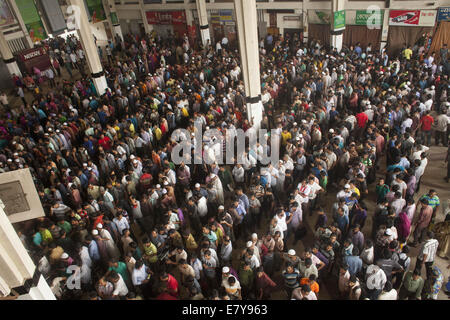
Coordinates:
(404, 17)
(166, 17)
(443, 14)
(96, 10)
(6, 17)
(339, 20)
(31, 19)
(319, 16)
(427, 18)
(364, 18)
(114, 19)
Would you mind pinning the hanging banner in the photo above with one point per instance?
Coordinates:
(166, 17)
(319, 16)
(96, 10)
(339, 20)
(114, 19)
(32, 20)
(6, 17)
(404, 17)
(364, 18)
(443, 14)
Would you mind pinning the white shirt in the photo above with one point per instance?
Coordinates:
(120, 288)
(376, 278)
(202, 207)
(391, 295)
(429, 248)
(315, 187)
(281, 222)
(138, 276)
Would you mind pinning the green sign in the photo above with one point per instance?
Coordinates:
(365, 18)
(96, 10)
(114, 19)
(324, 17)
(339, 20)
(32, 20)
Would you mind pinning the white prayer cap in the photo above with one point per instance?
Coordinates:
(347, 186)
(197, 185)
(64, 256)
(254, 236)
(164, 191)
(94, 232)
(166, 183)
(158, 186)
(225, 269)
(99, 226)
(221, 208)
(291, 252)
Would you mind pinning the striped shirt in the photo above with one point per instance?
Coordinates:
(432, 202)
(429, 248)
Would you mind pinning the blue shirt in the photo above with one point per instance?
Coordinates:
(93, 251)
(354, 264)
(342, 222)
(244, 200)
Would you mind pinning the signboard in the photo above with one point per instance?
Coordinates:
(427, 18)
(19, 196)
(339, 20)
(364, 18)
(31, 19)
(166, 17)
(6, 17)
(226, 15)
(55, 18)
(443, 14)
(404, 17)
(31, 54)
(319, 16)
(96, 10)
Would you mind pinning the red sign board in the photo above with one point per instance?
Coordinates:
(29, 54)
(404, 17)
(166, 17)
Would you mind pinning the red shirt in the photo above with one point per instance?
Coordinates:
(172, 285)
(165, 296)
(362, 119)
(105, 143)
(426, 122)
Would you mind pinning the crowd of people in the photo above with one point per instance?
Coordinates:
(123, 221)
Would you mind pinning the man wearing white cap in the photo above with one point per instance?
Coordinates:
(111, 247)
(217, 187)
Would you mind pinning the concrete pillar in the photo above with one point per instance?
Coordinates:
(90, 49)
(337, 36)
(305, 5)
(17, 269)
(203, 19)
(247, 26)
(14, 8)
(147, 27)
(8, 57)
(384, 29)
(117, 30)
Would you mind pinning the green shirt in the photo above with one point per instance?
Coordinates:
(246, 278)
(65, 226)
(149, 250)
(432, 202)
(413, 285)
(121, 269)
